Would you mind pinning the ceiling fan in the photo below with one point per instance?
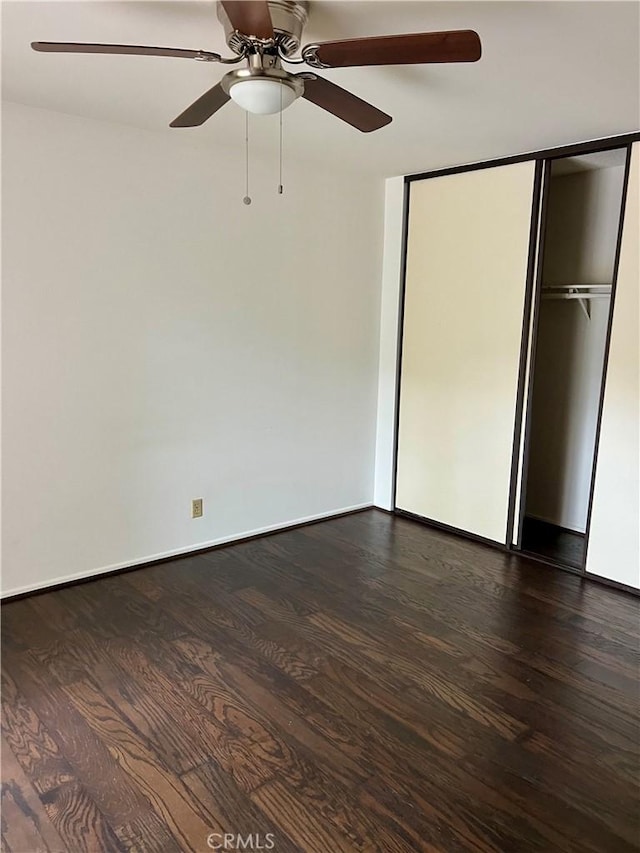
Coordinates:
(266, 33)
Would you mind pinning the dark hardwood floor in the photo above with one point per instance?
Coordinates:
(562, 546)
(362, 684)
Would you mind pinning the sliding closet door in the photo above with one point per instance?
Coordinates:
(467, 259)
(613, 550)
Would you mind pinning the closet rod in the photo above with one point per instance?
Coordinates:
(576, 296)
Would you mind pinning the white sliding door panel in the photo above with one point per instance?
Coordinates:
(613, 550)
(467, 258)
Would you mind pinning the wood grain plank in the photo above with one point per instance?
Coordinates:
(78, 820)
(234, 810)
(26, 826)
(97, 773)
(317, 815)
(188, 823)
(30, 741)
(225, 682)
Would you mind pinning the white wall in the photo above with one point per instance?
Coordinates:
(580, 245)
(162, 342)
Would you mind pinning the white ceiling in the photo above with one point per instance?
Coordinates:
(551, 73)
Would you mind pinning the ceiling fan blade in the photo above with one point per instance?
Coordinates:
(202, 109)
(250, 17)
(411, 49)
(134, 49)
(343, 104)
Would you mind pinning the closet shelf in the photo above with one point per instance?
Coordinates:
(572, 287)
(555, 295)
(582, 292)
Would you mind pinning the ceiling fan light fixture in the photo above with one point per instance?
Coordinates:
(262, 96)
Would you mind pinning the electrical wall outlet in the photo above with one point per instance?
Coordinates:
(197, 509)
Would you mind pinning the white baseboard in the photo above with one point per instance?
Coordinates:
(177, 552)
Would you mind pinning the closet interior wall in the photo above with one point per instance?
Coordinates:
(581, 230)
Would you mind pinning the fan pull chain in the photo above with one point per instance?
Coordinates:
(247, 197)
(280, 188)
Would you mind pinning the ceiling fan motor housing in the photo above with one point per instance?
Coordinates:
(289, 18)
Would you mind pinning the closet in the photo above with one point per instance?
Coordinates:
(518, 369)
(577, 261)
